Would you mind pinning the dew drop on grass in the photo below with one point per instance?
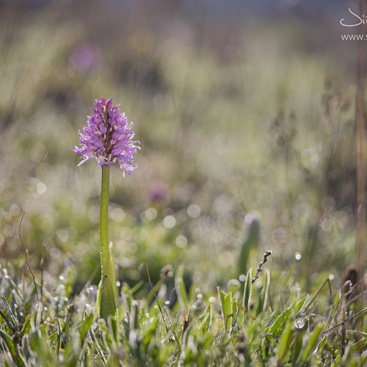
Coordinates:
(299, 323)
(242, 278)
(212, 300)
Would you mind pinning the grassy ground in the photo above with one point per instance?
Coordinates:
(237, 120)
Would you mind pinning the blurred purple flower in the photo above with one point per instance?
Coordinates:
(108, 137)
(85, 57)
(157, 191)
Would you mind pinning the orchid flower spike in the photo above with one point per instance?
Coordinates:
(108, 137)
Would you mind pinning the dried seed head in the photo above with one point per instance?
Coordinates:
(347, 286)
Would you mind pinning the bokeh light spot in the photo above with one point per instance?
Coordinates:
(41, 188)
(194, 211)
(169, 221)
(181, 241)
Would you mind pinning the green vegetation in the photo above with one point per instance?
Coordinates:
(247, 137)
(272, 325)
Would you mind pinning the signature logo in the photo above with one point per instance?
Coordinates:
(358, 20)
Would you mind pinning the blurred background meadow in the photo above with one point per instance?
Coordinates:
(244, 111)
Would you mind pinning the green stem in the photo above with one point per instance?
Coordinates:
(103, 229)
(106, 297)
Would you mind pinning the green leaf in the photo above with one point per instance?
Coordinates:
(53, 336)
(10, 344)
(26, 326)
(251, 242)
(297, 306)
(248, 290)
(284, 342)
(72, 352)
(136, 287)
(312, 341)
(58, 341)
(106, 298)
(322, 343)
(227, 310)
(263, 298)
(336, 299)
(205, 320)
(297, 346)
(278, 325)
(149, 333)
(25, 347)
(38, 343)
(84, 328)
(113, 328)
(36, 318)
(181, 290)
(70, 277)
(363, 361)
